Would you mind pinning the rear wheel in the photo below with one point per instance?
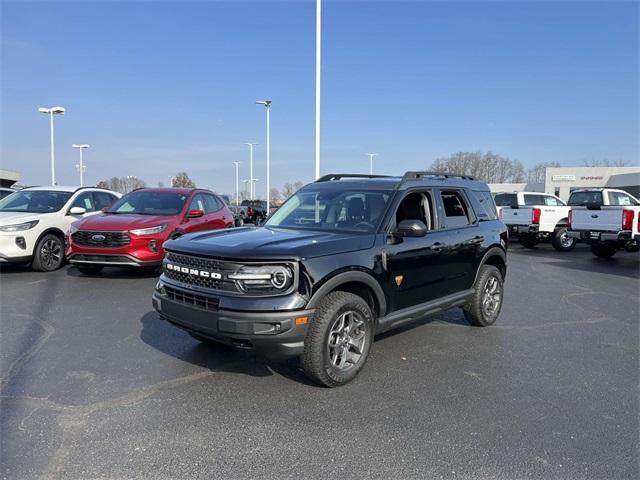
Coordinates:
(527, 240)
(484, 307)
(239, 222)
(561, 240)
(603, 250)
(49, 254)
(89, 269)
(259, 219)
(339, 339)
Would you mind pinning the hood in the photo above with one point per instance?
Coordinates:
(269, 243)
(10, 218)
(120, 222)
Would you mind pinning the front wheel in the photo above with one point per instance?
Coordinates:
(527, 240)
(49, 254)
(484, 307)
(561, 240)
(338, 340)
(603, 250)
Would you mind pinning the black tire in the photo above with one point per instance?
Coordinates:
(320, 358)
(480, 311)
(527, 240)
(259, 219)
(48, 254)
(603, 250)
(89, 269)
(561, 240)
(239, 222)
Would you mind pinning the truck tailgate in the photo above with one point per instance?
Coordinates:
(603, 220)
(516, 216)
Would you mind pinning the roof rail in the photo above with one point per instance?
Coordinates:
(337, 176)
(416, 175)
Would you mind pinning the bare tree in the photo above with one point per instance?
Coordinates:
(537, 173)
(275, 197)
(182, 180)
(291, 188)
(102, 184)
(122, 184)
(490, 167)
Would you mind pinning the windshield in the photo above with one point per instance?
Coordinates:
(150, 203)
(577, 199)
(34, 201)
(353, 211)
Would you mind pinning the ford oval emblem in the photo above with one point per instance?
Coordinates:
(98, 237)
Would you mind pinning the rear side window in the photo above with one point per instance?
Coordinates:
(484, 205)
(212, 204)
(577, 199)
(456, 211)
(103, 199)
(534, 199)
(552, 201)
(506, 199)
(84, 200)
(619, 198)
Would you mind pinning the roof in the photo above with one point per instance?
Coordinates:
(184, 191)
(56, 188)
(409, 180)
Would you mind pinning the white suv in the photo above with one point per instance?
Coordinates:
(34, 222)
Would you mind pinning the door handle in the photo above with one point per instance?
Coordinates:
(436, 247)
(477, 239)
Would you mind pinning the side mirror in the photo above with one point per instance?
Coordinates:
(411, 228)
(77, 211)
(195, 214)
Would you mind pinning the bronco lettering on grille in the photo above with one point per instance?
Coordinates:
(193, 271)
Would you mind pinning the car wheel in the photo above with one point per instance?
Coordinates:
(603, 250)
(49, 254)
(89, 269)
(239, 222)
(484, 307)
(527, 240)
(259, 219)
(561, 240)
(338, 340)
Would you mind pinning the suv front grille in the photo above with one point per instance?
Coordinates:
(95, 239)
(200, 301)
(200, 263)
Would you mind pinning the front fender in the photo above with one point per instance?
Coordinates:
(348, 277)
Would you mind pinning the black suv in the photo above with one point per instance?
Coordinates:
(345, 258)
(256, 210)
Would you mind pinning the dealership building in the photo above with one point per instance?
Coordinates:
(562, 181)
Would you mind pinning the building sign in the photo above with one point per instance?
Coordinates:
(563, 178)
(592, 178)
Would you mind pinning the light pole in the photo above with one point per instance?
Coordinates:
(51, 112)
(251, 190)
(371, 155)
(318, 65)
(245, 185)
(267, 104)
(80, 166)
(237, 192)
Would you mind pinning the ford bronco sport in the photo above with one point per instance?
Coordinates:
(345, 258)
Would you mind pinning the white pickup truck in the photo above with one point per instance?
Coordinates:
(534, 217)
(606, 219)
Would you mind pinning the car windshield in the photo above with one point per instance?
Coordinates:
(35, 201)
(331, 210)
(150, 203)
(577, 199)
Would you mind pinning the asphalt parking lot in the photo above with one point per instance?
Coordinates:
(94, 385)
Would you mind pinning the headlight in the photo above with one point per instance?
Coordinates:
(277, 278)
(150, 230)
(19, 227)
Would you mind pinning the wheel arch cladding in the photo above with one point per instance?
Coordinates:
(496, 257)
(358, 283)
(51, 230)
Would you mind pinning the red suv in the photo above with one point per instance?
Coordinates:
(131, 232)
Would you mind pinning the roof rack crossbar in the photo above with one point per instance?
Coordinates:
(416, 175)
(337, 176)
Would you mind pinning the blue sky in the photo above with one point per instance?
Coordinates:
(157, 88)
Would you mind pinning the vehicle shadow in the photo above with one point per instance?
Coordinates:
(177, 343)
(11, 268)
(115, 272)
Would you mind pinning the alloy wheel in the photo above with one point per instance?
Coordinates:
(492, 297)
(346, 341)
(51, 253)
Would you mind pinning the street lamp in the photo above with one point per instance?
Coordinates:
(318, 65)
(251, 145)
(371, 155)
(267, 104)
(237, 192)
(51, 112)
(80, 166)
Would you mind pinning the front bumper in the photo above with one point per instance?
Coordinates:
(137, 253)
(272, 333)
(111, 259)
(11, 246)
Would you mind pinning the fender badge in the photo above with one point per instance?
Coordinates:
(399, 279)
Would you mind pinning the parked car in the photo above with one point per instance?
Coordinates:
(605, 218)
(535, 217)
(34, 220)
(133, 230)
(343, 259)
(239, 212)
(256, 210)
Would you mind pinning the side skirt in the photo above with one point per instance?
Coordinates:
(410, 314)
